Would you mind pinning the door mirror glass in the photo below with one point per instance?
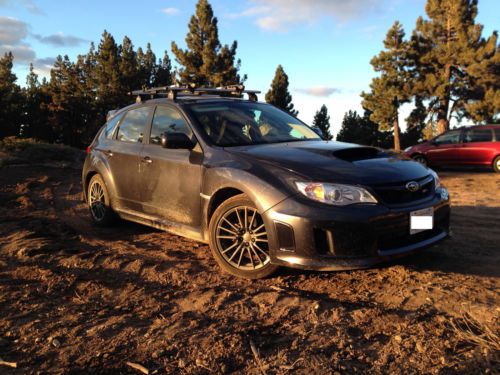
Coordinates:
(176, 140)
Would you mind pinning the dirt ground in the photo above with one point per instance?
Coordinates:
(77, 299)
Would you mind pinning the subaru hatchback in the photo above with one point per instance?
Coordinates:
(259, 186)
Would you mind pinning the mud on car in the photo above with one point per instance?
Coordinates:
(258, 185)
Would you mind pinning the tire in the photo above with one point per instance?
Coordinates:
(496, 164)
(421, 159)
(99, 202)
(238, 239)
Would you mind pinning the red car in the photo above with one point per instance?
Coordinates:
(467, 146)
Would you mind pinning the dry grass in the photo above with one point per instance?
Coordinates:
(30, 151)
(474, 332)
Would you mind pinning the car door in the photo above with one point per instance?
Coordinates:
(171, 178)
(445, 149)
(124, 156)
(478, 147)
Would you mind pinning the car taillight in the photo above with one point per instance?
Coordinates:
(87, 150)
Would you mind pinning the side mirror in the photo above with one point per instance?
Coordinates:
(176, 140)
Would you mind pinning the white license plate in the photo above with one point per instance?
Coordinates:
(421, 220)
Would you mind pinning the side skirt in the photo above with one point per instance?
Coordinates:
(162, 224)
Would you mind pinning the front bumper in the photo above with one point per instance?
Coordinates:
(309, 235)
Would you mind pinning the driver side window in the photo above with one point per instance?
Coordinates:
(452, 137)
(167, 120)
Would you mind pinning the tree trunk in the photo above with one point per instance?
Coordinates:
(442, 117)
(444, 103)
(397, 145)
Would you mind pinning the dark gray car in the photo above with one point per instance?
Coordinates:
(261, 187)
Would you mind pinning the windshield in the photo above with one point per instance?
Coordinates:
(245, 123)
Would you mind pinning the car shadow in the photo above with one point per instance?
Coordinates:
(464, 169)
(472, 249)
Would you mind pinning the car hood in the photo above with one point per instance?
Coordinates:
(328, 161)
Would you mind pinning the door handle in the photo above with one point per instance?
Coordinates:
(108, 153)
(147, 159)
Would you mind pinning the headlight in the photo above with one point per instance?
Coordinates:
(407, 149)
(437, 181)
(335, 194)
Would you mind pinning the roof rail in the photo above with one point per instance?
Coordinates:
(171, 92)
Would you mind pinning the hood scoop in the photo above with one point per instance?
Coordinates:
(360, 153)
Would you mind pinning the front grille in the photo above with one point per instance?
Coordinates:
(388, 233)
(395, 233)
(398, 194)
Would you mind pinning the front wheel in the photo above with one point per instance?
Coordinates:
(496, 164)
(238, 239)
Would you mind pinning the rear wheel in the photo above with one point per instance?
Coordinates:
(496, 164)
(99, 202)
(238, 239)
(421, 159)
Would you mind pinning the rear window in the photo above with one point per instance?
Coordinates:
(132, 127)
(478, 135)
(110, 126)
(497, 134)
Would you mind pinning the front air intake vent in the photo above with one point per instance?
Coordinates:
(285, 236)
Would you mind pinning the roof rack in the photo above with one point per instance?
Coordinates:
(171, 92)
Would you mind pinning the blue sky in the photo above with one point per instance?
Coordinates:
(325, 46)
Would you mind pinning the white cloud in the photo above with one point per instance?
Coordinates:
(12, 34)
(29, 5)
(252, 11)
(60, 40)
(43, 66)
(281, 15)
(23, 53)
(321, 91)
(12, 30)
(170, 11)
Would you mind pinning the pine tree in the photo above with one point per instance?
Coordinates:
(453, 62)
(206, 62)
(109, 91)
(415, 124)
(89, 72)
(393, 87)
(484, 103)
(278, 95)
(357, 129)
(69, 101)
(35, 101)
(128, 65)
(163, 74)
(10, 98)
(147, 66)
(322, 122)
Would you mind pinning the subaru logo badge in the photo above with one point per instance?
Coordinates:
(412, 186)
